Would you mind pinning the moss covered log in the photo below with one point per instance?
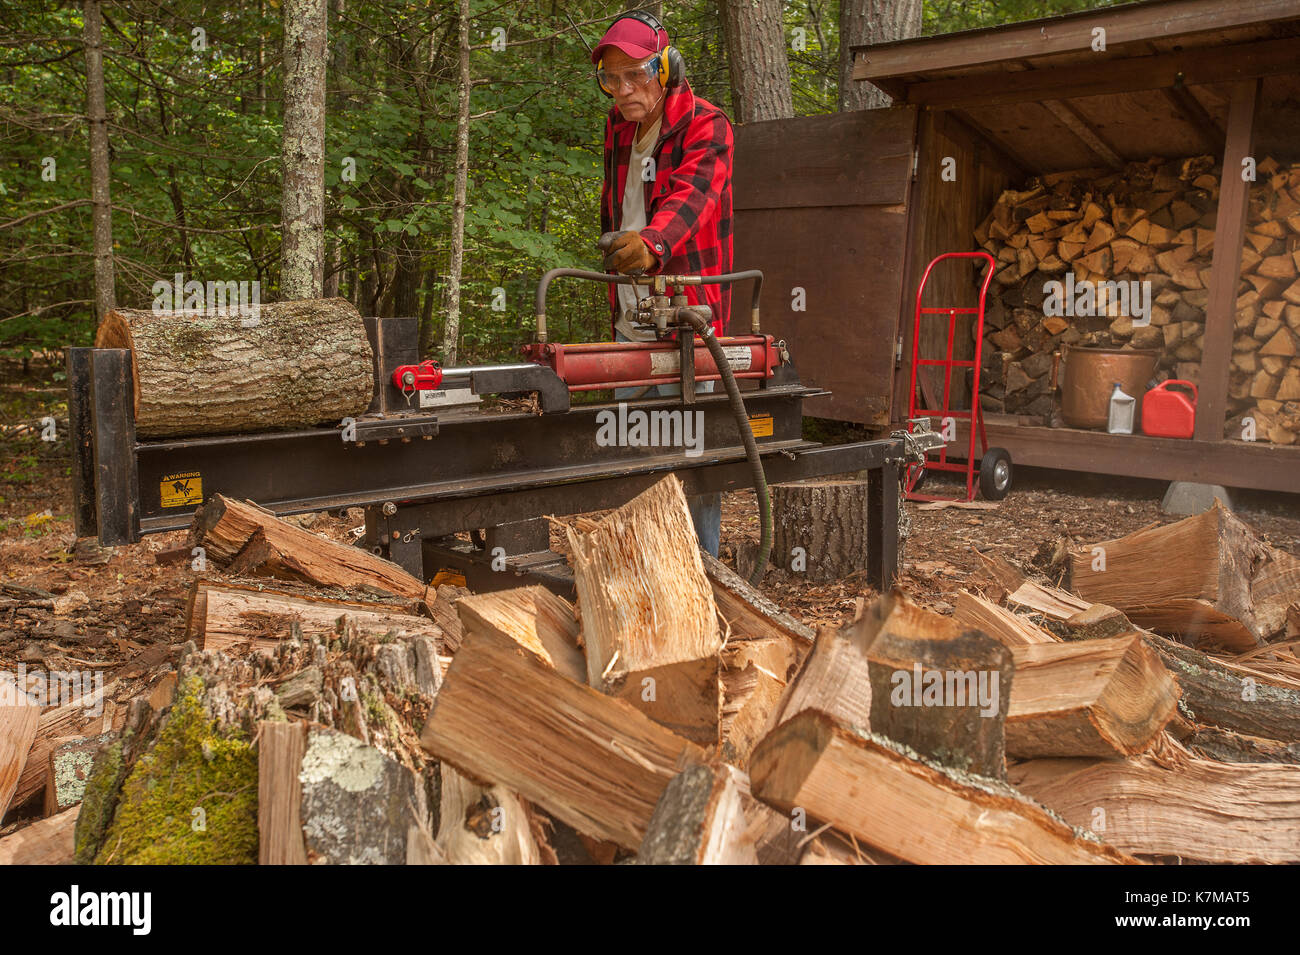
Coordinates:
(192, 798)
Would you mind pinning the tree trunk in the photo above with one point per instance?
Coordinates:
(102, 235)
(302, 364)
(760, 72)
(451, 335)
(302, 266)
(428, 335)
(871, 21)
(820, 528)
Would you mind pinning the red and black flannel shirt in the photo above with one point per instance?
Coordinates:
(688, 203)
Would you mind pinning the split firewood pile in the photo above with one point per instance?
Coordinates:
(329, 708)
(1152, 222)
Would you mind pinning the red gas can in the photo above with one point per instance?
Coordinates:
(1167, 413)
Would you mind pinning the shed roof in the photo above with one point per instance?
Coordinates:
(1042, 93)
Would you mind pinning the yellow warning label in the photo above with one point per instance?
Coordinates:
(448, 577)
(761, 425)
(181, 490)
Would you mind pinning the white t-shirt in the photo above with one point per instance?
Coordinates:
(634, 214)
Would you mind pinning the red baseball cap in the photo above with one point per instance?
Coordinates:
(634, 37)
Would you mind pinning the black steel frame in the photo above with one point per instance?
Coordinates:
(421, 477)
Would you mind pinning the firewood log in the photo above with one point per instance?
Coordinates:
(301, 363)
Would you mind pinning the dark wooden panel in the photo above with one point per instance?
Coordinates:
(1111, 74)
(1130, 23)
(861, 158)
(821, 206)
(117, 488)
(1277, 124)
(946, 214)
(849, 262)
(1265, 467)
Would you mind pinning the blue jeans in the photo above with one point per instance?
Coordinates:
(706, 509)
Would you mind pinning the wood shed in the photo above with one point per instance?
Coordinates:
(843, 212)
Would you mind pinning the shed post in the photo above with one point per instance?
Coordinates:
(1225, 268)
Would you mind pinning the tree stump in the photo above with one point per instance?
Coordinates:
(203, 372)
(820, 528)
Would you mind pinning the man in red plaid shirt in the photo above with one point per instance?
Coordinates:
(667, 191)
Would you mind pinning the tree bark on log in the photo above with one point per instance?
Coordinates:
(295, 365)
(1214, 694)
(1212, 742)
(700, 820)
(357, 804)
(938, 686)
(821, 527)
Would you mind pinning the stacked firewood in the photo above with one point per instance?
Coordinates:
(1153, 222)
(342, 714)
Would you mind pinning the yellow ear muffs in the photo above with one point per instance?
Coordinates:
(599, 67)
(672, 68)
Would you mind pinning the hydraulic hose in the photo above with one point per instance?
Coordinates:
(705, 331)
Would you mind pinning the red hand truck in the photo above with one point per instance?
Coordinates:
(995, 463)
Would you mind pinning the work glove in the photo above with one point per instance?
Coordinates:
(627, 253)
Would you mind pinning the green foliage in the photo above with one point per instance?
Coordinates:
(949, 16)
(195, 152)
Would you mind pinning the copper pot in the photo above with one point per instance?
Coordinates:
(1089, 376)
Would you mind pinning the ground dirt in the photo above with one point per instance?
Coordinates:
(122, 610)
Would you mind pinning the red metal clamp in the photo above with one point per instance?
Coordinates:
(426, 376)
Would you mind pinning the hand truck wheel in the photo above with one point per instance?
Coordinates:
(995, 474)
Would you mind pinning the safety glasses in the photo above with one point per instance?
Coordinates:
(639, 76)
